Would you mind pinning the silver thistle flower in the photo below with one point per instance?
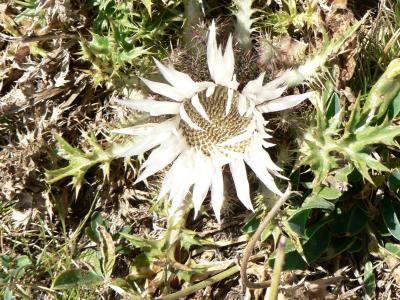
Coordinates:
(213, 125)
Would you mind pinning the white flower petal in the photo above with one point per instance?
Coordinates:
(218, 157)
(200, 109)
(269, 94)
(242, 104)
(229, 101)
(250, 109)
(253, 87)
(228, 62)
(145, 144)
(162, 157)
(257, 153)
(164, 89)
(210, 91)
(180, 185)
(277, 82)
(155, 108)
(149, 128)
(221, 67)
(179, 192)
(277, 174)
(260, 162)
(266, 144)
(212, 51)
(202, 85)
(185, 117)
(205, 171)
(264, 176)
(217, 193)
(181, 81)
(239, 175)
(177, 178)
(283, 103)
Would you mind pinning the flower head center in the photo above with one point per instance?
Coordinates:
(221, 125)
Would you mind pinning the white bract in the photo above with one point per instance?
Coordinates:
(212, 125)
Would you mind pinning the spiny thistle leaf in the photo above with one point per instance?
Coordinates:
(382, 134)
(80, 162)
(331, 140)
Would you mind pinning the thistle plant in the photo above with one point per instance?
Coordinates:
(214, 125)
(183, 179)
(335, 143)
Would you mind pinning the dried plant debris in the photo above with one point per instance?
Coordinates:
(75, 224)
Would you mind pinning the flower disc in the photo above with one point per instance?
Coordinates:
(219, 121)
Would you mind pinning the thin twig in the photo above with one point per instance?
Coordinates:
(249, 248)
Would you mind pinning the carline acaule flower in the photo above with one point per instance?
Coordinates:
(212, 125)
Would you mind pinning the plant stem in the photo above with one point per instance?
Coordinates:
(198, 286)
(276, 274)
(249, 248)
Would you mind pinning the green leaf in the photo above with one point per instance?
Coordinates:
(186, 275)
(23, 261)
(76, 278)
(273, 230)
(393, 182)
(358, 219)
(298, 221)
(382, 134)
(142, 243)
(393, 249)
(317, 202)
(5, 261)
(107, 251)
(356, 247)
(8, 294)
(95, 220)
(317, 244)
(394, 107)
(79, 162)
(369, 279)
(293, 260)
(329, 193)
(338, 246)
(189, 238)
(319, 159)
(350, 223)
(91, 259)
(266, 232)
(251, 226)
(125, 288)
(129, 56)
(390, 217)
(333, 106)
